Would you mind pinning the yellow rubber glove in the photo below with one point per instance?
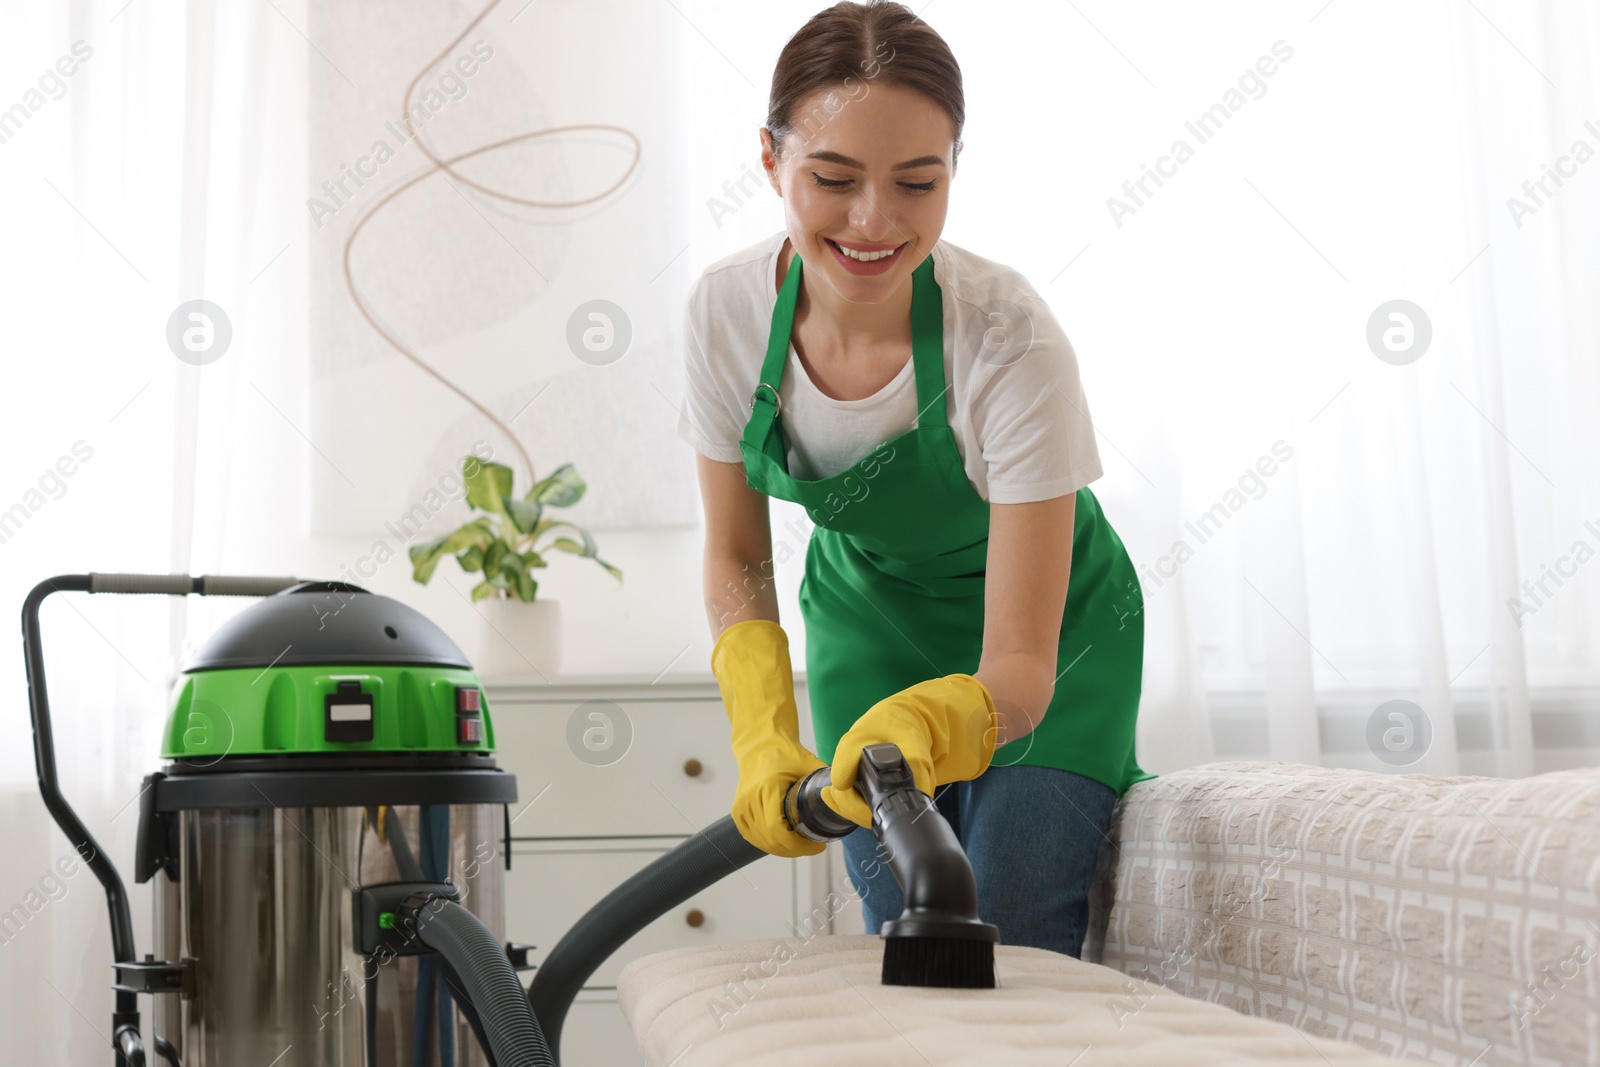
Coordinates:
(945, 727)
(751, 662)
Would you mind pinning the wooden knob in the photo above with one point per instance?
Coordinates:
(692, 767)
(696, 917)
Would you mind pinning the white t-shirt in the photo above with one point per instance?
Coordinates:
(1021, 423)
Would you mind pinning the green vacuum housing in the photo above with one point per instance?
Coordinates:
(327, 667)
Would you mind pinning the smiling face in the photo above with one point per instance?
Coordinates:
(867, 172)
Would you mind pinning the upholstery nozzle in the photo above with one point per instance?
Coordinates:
(935, 876)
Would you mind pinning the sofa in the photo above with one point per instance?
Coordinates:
(1453, 920)
(1243, 913)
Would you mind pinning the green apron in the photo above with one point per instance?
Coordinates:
(894, 580)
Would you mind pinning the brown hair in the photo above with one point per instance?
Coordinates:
(850, 43)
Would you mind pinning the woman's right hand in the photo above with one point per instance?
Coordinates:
(751, 662)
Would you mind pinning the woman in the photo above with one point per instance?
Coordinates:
(924, 407)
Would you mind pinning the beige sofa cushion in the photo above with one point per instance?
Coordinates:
(801, 1002)
(1449, 919)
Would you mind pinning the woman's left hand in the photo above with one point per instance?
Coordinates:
(945, 727)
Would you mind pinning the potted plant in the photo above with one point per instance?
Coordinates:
(506, 544)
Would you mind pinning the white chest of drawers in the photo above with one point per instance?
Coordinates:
(612, 772)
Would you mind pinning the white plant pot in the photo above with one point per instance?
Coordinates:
(514, 637)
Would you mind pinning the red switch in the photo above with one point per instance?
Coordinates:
(469, 715)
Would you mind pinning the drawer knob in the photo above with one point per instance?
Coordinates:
(692, 767)
(695, 917)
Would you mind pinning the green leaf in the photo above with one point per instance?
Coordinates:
(488, 484)
(425, 557)
(524, 514)
(482, 591)
(491, 557)
(589, 550)
(471, 560)
(514, 573)
(562, 489)
(474, 534)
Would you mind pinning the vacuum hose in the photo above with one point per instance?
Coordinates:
(927, 860)
(491, 983)
(710, 855)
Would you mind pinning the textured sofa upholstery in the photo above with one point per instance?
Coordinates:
(801, 1002)
(1448, 919)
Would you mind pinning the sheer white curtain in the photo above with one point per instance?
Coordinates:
(139, 145)
(1382, 571)
(1356, 154)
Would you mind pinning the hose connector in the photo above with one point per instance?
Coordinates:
(807, 815)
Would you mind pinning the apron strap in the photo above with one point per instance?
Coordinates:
(927, 344)
(927, 356)
(764, 399)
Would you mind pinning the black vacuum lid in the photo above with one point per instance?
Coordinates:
(320, 623)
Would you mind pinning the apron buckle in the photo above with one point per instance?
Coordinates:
(777, 401)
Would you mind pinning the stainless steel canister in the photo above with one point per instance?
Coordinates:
(262, 906)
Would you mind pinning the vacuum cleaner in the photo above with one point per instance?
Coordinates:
(327, 838)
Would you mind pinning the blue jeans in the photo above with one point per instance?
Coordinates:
(1032, 834)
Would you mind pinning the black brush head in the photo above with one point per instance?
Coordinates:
(947, 962)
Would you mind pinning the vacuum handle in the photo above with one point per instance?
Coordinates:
(234, 585)
(125, 1017)
(184, 584)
